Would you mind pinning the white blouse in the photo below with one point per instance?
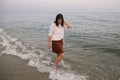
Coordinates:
(56, 32)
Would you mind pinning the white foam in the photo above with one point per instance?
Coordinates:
(40, 61)
(65, 76)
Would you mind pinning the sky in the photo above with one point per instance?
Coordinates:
(61, 5)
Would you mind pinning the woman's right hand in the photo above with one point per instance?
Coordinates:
(49, 40)
(48, 46)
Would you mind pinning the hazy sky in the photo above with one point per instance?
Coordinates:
(54, 5)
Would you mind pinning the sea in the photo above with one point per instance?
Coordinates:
(91, 46)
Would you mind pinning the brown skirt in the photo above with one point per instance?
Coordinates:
(57, 46)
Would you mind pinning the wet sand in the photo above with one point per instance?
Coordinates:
(14, 68)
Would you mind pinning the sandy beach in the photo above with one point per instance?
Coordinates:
(13, 68)
(91, 46)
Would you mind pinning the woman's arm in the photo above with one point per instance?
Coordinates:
(51, 30)
(67, 24)
(49, 41)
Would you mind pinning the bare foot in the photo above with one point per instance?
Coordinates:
(56, 67)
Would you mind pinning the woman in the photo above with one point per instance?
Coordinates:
(56, 35)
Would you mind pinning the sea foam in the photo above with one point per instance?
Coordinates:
(36, 58)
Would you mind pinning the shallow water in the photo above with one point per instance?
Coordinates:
(92, 46)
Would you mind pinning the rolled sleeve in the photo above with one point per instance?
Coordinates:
(51, 30)
(65, 26)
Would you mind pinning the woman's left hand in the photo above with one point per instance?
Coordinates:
(68, 24)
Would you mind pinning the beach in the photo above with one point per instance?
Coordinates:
(91, 46)
(14, 68)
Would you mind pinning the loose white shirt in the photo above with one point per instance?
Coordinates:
(56, 32)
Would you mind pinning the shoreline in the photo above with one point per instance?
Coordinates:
(14, 68)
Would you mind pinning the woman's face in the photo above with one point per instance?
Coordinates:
(59, 21)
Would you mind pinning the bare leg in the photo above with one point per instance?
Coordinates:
(59, 58)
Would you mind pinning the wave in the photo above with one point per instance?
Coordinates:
(36, 58)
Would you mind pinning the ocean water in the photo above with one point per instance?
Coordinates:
(92, 45)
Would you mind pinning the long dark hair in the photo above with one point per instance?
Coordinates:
(59, 16)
